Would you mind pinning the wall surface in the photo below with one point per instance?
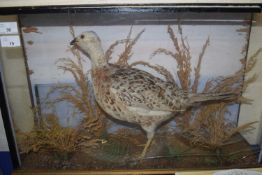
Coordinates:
(15, 77)
(253, 112)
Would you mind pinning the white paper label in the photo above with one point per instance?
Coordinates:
(8, 28)
(10, 41)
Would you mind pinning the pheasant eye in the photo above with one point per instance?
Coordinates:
(82, 36)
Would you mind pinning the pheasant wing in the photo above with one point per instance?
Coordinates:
(136, 88)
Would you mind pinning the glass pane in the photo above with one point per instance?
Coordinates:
(148, 90)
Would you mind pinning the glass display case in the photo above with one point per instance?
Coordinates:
(132, 87)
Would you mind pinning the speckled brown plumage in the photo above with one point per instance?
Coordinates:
(126, 94)
(133, 95)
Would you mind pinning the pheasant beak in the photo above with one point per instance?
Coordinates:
(73, 42)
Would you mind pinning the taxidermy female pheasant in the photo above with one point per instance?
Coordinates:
(133, 95)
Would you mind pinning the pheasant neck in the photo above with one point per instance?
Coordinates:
(98, 59)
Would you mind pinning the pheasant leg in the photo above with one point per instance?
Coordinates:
(148, 143)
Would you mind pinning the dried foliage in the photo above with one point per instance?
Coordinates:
(79, 95)
(110, 50)
(127, 52)
(50, 136)
(210, 129)
(198, 68)
(208, 126)
(183, 57)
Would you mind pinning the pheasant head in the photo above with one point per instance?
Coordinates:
(90, 44)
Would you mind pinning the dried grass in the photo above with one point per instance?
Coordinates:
(126, 54)
(79, 95)
(207, 126)
(50, 135)
(198, 68)
(181, 55)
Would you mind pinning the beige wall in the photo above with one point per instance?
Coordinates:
(13, 65)
(253, 112)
